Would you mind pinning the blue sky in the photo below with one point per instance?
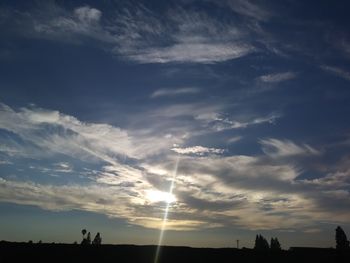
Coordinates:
(99, 100)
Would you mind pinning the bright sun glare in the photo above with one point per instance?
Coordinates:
(159, 196)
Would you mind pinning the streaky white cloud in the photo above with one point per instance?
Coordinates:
(138, 34)
(337, 71)
(193, 53)
(278, 77)
(63, 167)
(234, 139)
(284, 148)
(174, 92)
(195, 37)
(197, 150)
(199, 111)
(51, 132)
(225, 123)
(250, 9)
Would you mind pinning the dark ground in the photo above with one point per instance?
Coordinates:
(25, 252)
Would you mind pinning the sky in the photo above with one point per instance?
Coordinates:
(231, 115)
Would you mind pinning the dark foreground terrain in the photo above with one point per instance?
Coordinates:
(25, 252)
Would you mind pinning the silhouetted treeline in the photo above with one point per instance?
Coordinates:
(24, 252)
(262, 252)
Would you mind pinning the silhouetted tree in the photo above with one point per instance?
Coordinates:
(39, 242)
(88, 239)
(341, 239)
(97, 240)
(275, 244)
(261, 243)
(84, 241)
(83, 232)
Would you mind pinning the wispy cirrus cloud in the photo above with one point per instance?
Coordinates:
(234, 139)
(337, 71)
(174, 92)
(192, 52)
(250, 9)
(284, 148)
(278, 77)
(140, 35)
(195, 37)
(220, 123)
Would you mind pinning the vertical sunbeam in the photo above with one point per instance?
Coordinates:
(166, 212)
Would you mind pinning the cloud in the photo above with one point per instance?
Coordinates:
(150, 133)
(251, 185)
(250, 9)
(174, 92)
(38, 132)
(192, 52)
(234, 139)
(199, 111)
(192, 37)
(277, 77)
(138, 34)
(220, 123)
(114, 201)
(197, 150)
(337, 71)
(67, 135)
(284, 148)
(261, 191)
(63, 167)
(87, 14)
(71, 26)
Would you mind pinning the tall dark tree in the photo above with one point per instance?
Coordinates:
(261, 243)
(256, 245)
(88, 239)
(341, 239)
(275, 244)
(84, 241)
(97, 240)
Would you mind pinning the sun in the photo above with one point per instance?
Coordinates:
(155, 196)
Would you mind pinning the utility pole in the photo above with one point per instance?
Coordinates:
(237, 243)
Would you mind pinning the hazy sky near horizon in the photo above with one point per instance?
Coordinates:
(100, 99)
